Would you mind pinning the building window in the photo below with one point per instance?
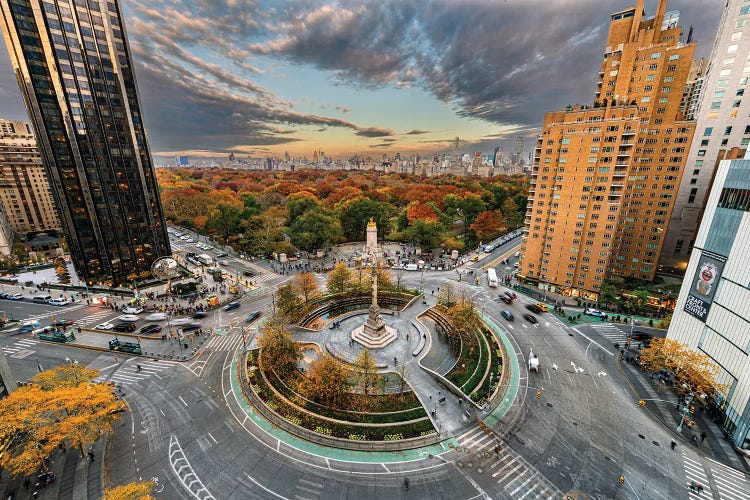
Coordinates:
(708, 131)
(727, 130)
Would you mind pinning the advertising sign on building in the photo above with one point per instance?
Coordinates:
(703, 286)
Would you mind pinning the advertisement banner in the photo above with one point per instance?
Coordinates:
(703, 286)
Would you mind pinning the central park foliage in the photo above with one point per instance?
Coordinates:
(253, 210)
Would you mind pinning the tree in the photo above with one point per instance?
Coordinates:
(464, 317)
(316, 228)
(665, 322)
(62, 405)
(693, 371)
(640, 299)
(131, 491)
(288, 303)
(429, 234)
(299, 203)
(224, 220)
(278, 350)
(470, 207)
(446, 296)
(354, 214)
(487, 225)
(607, 294)
(306, 285)
(367, 373)
(339, 279)
(327, 382)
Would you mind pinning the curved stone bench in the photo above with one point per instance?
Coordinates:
(338, 356)
(422, 339)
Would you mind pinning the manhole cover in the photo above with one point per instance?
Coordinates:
(470, 465)
(655, 443)
(460, 464)
(450, 445)
(550, 405)
(487, 454)
(479, 456)
(641, 436)
(480, 470)
(575, 424)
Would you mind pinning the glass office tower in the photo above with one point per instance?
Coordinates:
(73, 65)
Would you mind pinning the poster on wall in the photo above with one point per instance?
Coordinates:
(703, 286)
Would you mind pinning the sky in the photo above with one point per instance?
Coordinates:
(261, 78)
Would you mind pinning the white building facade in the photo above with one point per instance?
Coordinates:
(712, 314)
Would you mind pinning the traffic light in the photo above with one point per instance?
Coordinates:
(622, 480)
(538, 393)
(641, 402)
(692, 409)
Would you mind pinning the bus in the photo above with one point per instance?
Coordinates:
(491, 278)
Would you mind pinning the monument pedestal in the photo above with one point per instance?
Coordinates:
(374, 334)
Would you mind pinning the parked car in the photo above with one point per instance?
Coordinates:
(190, 327)
(595, 312)
(200, 314)
(15, 296)
(159, 316)
(510, 294)
(223, 263)
(59, 302)
(231, 305)
(104, 326)
(149, 329)
(252, 316)
(222, 254)
(133, 310)
(124, 327)
(530, 318)
(507, 315)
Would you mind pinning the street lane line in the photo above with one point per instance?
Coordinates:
(183, 401)
(269, 491)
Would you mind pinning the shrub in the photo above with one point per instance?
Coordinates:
(322, 430)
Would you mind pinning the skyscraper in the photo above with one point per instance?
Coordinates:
(721, 124)
(24, 189)
(74, 69)
(605, 176)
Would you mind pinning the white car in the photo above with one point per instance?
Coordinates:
(223, 263)
(104, 326)
(184, 237)
(181, 321)
(190, 240)
(128, 318)
(594, 312)
(15, 296)
(59, 302)
(133, 310)
(156, 317)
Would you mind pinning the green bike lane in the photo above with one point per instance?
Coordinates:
(375, 457)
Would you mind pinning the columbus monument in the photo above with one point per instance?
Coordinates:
(374, 334)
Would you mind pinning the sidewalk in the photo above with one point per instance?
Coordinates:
(665, 410)
(76, 478)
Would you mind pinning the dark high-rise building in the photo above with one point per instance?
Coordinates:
(73, 65)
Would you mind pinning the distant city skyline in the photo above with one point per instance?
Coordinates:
(407, 76)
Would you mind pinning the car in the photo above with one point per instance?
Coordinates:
(541, 307)
(250, 274)
(200, 314)
(133, 310)
(181, 321)
(506, 299)
(641, 338)
(3, 295)
(231, 305)
(62, 323)
(223, 263)
(252, 316)
(594, 312)
(184, 237)
(489, 248)
(507, 315)
(148, 329)
(515, 265)
(104, 326)
(128, 318)
(510, 294)
(59, 302)
(190, 327)
(124, 327)
(222, 254)
(156, 317)
(190, 240)
(15, 296)
(530, 318)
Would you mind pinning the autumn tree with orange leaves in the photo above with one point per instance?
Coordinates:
(327, 382)
(131, 491)
(693, 371)
(488, 225)
(59, 406)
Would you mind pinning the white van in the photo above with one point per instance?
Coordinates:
(42, 299)
(59, 302)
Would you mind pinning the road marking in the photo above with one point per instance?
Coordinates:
(183, 401)
(591, 340)
(269, 491)
(175, 450)
(386, 468)
(212, 438)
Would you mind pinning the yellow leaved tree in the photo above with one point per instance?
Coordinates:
(58, 406)
(693, 371)
(130, 491)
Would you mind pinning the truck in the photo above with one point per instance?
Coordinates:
(491, 277)
(205, 259)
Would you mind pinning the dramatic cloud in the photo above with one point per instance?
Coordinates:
(222, 74)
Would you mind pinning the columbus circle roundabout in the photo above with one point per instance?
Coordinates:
(380, 378)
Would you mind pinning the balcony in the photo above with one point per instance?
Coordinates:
(628, 132)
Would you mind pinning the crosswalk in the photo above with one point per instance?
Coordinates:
(224, 342)
(94, 319)
(611, 333)
(128, 373)
(694, 473)
(262, 278)
(21, 348)
(729, 483)
(511, 472)
(56, 313)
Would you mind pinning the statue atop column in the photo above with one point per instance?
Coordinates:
(374, 333)
(371, 249)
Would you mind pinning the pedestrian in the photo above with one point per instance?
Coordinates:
(90, 456)
(703, 436)
(694, 440)
(673, 444)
